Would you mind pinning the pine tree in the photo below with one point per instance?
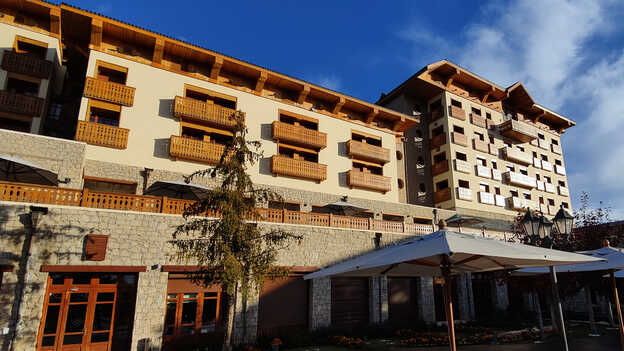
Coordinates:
(231, 250)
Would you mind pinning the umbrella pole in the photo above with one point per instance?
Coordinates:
(616, 299)
(448, 300)
(557, 301)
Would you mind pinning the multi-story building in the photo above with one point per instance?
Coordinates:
(480, 150)
(108, 115)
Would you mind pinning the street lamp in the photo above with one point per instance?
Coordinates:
(564, 222)
(545, 231)
(530, 223)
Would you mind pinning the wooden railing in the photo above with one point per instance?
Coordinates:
(26, 64)
(440, 167)
(196, 150)
(204, 112)
(517, 156)
(437, 141)
(370, 181)
(299, 135)
(40, 194)
(102, 135)
(442, 195)
(480, 145)
(109, 91)
(364, 151)
(457, 112)
(286, 166)
(478, 120)
(518, 130)
(460, 139)
(21, 104)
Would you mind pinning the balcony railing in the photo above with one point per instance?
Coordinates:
(102, 135)
(518, 130)
(540, 185)
(519, 179)
(492, 149)
(517, 156)
(537, 162)
(478, 120)
(442, 195)
(563, 191)
(126, 202)
(499, 200)
(556, 149)
(109, 91)
(201, 111)
(483, 171)
(457, 112)
(357, 179)
(486, 198)
(480, 145)
(464, 194)
(437, 141)
(440, 167)
(21, 104)
(368, 152)
(462, 166)
(299, 135)
(547, 166)
(550, 188)
(26, 64)
(517, 203)
(496, 175)
(436, 114)
(560, 170)
(286, 166)
(542, 144)
(460, 139)
(195, 150)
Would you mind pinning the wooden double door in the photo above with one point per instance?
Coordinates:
(79, 313)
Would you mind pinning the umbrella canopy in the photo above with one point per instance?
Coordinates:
(178, 190)
(463, 220)
(14, 169)
(344, 207)
(465, 253)
(614, 261)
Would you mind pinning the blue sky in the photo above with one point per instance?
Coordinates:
(569, 55)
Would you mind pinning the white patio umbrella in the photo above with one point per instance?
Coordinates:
(345, 207)
(177, 190)
(445, 253)
(614, 262)
(16, 169)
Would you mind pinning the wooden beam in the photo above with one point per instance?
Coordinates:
(216, 67)
(91, 268)
(339, 105)
(96, 34)
(469, 259)
(397, 125)
(55, 21)
(159, 49)
(539, 117)
(372, 115)
(303, 94)
(260, 82)
(452, 78)
(423, 262)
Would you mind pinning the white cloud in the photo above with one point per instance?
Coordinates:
(549, 46)
(332, 82)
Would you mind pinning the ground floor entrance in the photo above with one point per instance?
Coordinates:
(87, 312)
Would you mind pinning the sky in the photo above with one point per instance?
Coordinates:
(568, 54)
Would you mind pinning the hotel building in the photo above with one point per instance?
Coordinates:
(115, 112)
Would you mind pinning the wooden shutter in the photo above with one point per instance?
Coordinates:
(95, 247)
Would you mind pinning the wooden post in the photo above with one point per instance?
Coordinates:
(162, 205)
(616, 299)
(83, 199)
(283, 215)
(331, 220)
(448, 300)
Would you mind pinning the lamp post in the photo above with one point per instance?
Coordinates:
(541, 227)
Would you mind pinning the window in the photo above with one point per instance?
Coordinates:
(436, 105)
(367, 167)
(510, 168)
(547, 179)
(488, 115)
(442, 185)
(537, 176)
(541, 136)
(308, 123)
(439, 157)
(534, 154)
(437, 131)
(458, 129)
(189, 313)
(513, 193)
(209, 96)
(104, 116)
(476, 111)
(558, 162)
(110, 185)
(484, 187)
(523, 171)
(541, 200)
(22, 86)
(422, 188)
(479, 136)
(392, 217)
(544, 157)
(464, 184)
(494, 165)
(554, 142)
(365, 138)
(481, 161)
(456, 103)
(491, 138)
(507, 143)
(420, 161)
(31, 47)
(565, 205)
(461, 156)
(297, 153)
(111, 73)
(520, 148)
(526, 196)
(561, 183)
(551, 202)
(497, 190)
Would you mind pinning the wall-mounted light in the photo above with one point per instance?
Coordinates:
(35, 214)
(67, 180)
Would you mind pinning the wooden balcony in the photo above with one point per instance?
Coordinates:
(109, 91)
(437, 141)
(368, 152)
(477, 120)
(195, 150)
(517, 130)
(486, 198)
(459, 139)
(357, 179)
(435, 115)
(464, 194)
(483, 171)
(563, 191)
(492, 149)
(102, 135)
(519, 179)
(462, 166)
(298, 168)
(517, 156)
(21, 104)
(201, 111)
(299, 135)
(28, 65)
(480, 145)
(457, 112)
(442, 195)
(39, 194)
(517, 203)
(440, 167)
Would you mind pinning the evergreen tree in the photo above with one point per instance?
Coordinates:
(231, 250)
